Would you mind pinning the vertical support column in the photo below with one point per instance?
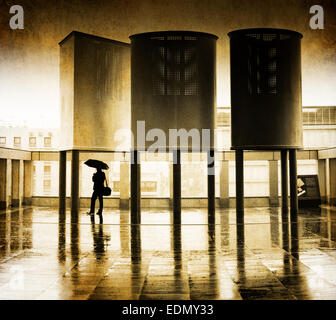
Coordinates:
(9, 182)
(211, 185)
(135, 187)
(124, 185)
(74, 183)
(273, 182)
(28, 182)
(62, 181)
(322, 179)
(224, 184)
(171, 185)
(332, 181)
(239, 186)
(284, 181)
(3, 184)
(293, 184)
(21, 182)
(15, 183)
(176, 187)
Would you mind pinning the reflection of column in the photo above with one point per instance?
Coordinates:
(212, 250)
(176, 187)
(15, 183)
(294, 238)
(124, 185)
(124, 231)
(273, 183)
(74, 238)
(293, 183)
(240, 186)
(211, 185)
(284, 181)
(136, 279)
(62, 180)
(74, 182)
(5, 234)
(240, 241)
(224, 184)
(28, 182)
(274, 225)
(332, 181)
(322, 179)
(3, 184)
(135, 187)
(285, 244)
(61, 238)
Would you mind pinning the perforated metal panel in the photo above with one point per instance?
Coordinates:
(266, 89)
(173, 79)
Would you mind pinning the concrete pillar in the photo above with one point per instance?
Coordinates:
(293, 184)
(176, 187)
(240, 186)
(135, 187)
(322, 179)
(332, 181)
(62, 181)
(74, 183)
(124, 185)
(171, 185)
(21, 181)
(211, 185)
(28, 182)
(273, 182)
(224, 197)
(3, 184)
(284, 181)
(15, 183)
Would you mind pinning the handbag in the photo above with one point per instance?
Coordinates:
(107, 190)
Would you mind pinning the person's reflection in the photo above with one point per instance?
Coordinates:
(99, 238)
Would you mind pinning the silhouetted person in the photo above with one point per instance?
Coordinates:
(98, 179)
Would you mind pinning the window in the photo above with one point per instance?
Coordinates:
(47, 141)
(17, 141)
(32, 141)
(2, 140)
(46, 186)
(47, 169)
(149, 186)
(116, 186)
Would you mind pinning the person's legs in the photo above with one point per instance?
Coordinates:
(100, 204)
(93, 201)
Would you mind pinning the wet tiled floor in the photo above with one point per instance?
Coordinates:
(46, 256)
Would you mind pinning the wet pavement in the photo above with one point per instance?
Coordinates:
(44, 255)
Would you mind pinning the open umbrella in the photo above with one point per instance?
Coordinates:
(96, 164)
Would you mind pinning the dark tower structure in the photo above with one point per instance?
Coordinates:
(266, 102)
(173, 83)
